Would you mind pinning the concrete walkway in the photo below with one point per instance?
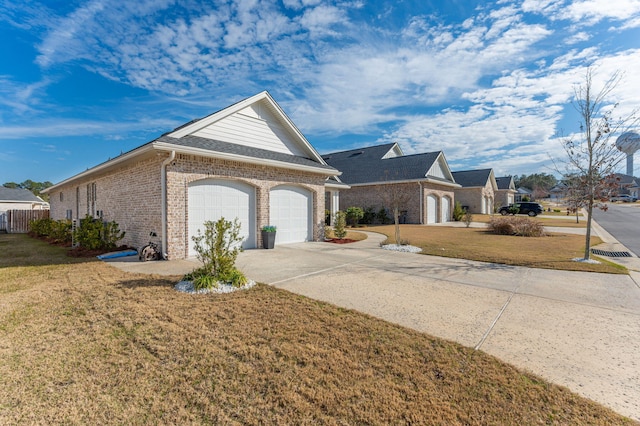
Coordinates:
(580, 330)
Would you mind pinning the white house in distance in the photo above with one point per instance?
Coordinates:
(20, 199)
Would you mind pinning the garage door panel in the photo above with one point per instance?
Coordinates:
(212, 199)
(432, 205)
(290, 211)
(446, 209)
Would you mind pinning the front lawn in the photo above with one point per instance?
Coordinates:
(85, 343)
(555, 251)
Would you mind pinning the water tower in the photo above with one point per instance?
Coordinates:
(629, 143)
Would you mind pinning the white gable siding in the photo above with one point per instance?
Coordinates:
(438, 170)
(253, 126)
(393, 152)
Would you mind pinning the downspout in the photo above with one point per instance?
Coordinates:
(163, 184)
(421, 200)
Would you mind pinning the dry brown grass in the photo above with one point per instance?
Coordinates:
(546, 219)
(554, 251)
(85, 343)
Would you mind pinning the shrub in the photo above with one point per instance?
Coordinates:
(94, 234)
(41, 227)
(354, 214)
(56, 231)
(61, 231)
(369, 216)
(458, 212)
(339, 225)
(468, 218)
(383, 217)
(520, 226)
(218, 248)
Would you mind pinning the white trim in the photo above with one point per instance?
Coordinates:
(104, 166)
(163, 185)
(423, 180)
(336, 185)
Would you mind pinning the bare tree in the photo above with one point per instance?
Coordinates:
(592, 154)
(395, 198)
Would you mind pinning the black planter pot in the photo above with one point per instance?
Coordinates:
(268, 239)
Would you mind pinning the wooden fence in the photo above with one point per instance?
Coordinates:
(17, 221)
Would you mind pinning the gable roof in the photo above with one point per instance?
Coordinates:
(254, 130)
(505, 182)
(385, 163)
(475, 178)
(625, 179)
(19, 195)
(266, 123)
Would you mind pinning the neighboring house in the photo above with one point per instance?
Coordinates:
(523, 194)
(627, 184)
(559, 191)
(477, 191)
(20, 199)
(248, 161)
(506, 192)
(375, 174)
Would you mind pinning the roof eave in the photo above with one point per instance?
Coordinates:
(167, 147)
(423, 180)
(122, 159)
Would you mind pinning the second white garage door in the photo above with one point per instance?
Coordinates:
(211, 199)
(290, 211)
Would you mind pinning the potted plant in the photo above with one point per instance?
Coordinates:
(268, 236)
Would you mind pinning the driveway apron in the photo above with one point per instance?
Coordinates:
(579, 330)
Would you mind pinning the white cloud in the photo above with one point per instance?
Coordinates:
(54, 128)
(593, 11)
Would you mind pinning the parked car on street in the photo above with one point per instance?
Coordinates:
(531, 209)
(624, 198)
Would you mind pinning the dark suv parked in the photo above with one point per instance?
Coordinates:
(532, 209)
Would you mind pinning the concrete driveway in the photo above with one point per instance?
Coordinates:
(580, 330)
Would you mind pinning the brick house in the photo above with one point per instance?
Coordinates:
(248, 161)
(505, 194)
(477, 190)
(422, 181)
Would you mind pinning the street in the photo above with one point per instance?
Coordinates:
(623, 222)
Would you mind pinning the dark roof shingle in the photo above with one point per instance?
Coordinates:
(18, 194)
(365, 165)
(471, 178)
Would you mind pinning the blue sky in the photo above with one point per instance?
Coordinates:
(488, 83)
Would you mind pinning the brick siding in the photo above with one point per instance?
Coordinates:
(131, 196)
(374, 196)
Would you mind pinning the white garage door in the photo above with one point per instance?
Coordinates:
(432, 209)
(290, 211)
(446, 209)
(211, 199)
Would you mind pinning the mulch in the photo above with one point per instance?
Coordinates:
(340, 240)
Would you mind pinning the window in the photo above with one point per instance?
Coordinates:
(61, 196)
(91, 199)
